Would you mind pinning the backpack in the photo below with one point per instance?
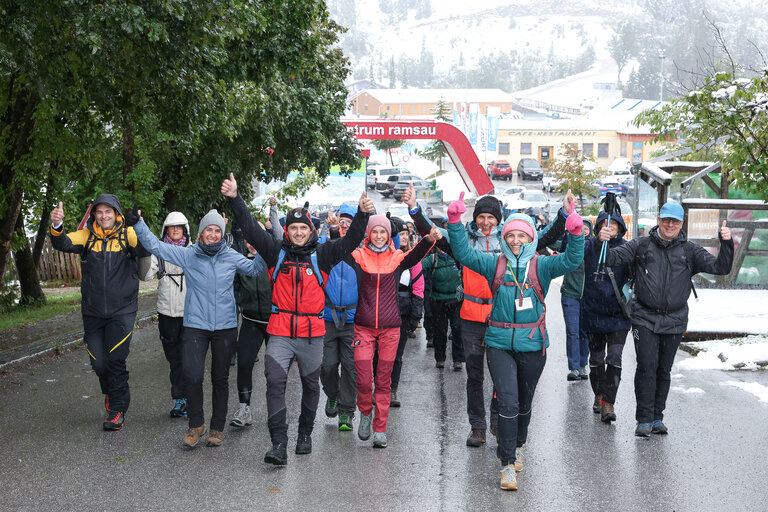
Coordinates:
(161, 273)
(315, 269)
(122, 239)
(535, 284)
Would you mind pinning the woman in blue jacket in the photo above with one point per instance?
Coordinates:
(516, 337)
(210, 315)
(603, 320)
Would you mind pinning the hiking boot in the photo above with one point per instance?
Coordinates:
(345, 422)
(439, 364)
(331, 407)
(598, 405)
(643, 429)
(364, 428)
(573, 375)
(179, 408)
(277, 455)
(393, 400)
(106, 402)
(518, 460)
(606, 412)
(458, 366)
(379, 439)
(114, 421)
(193, 436)
(214, 438)
(494, 429)
(508, 478)
(243, 416)
(583, 373)
(657, 427)
(303, 444)
(476, 437)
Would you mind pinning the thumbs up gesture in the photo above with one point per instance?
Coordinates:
(366, 204)
(456, 209)
(57, 215)
(725, 232)
(409, 197)
(574, 224)
(229, 186)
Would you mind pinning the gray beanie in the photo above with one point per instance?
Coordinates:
(211, 218)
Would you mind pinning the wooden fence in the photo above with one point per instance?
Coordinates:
(54, 265)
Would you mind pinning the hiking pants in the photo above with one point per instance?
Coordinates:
(515, 375)
(605, 369)
(108, 341)
(397, 367)
(445, 312)
(655, 354)
(367, 341)
(194, 350)
(249, 340)
(576, 339)
(280, 353)
(171, 328)
(338, 351)
(472, 335)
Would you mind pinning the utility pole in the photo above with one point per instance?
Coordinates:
(661, 75)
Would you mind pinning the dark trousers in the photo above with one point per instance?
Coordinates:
(576, 339)
(515, 375)
(195, 348)
(171, 329)
(397, 367)
(655, 354)
(445, 312)
(605, 350)
(108, 341)
(472, 336)
(338, 352)
(249, 340)
(429, 323)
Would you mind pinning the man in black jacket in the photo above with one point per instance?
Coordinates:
(663, 264)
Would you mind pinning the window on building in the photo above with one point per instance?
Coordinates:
(365, 107)
(623, 149)
(587, 149)
(602, 150)
(503, 148)
(413, 107)
(387, 107)
(525, 148)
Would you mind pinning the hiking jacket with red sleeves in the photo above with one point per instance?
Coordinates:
(297, 297)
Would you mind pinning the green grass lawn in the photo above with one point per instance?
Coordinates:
(56, 305)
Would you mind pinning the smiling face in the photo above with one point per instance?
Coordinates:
(379, 237)
(486, 222)
(515, 240)
(405, 240)
(298, 233)
(669, 228)
(175, 232)
(211, 234)
(105, 216)
(344, 224)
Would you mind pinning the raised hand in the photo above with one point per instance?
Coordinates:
(366, 204)
(224, 216)
(435, 234)
(456, 210)
(272, 201)
(409, 197)
(603, 235)
(725, 231)
(332, 219)
(57, 215)
(574, 224)
(568, 200)
(133, 216)
(229, 186)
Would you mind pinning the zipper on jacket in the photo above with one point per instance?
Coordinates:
(378, 290)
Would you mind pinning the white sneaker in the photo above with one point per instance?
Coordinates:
(379, 439)
(243, 417)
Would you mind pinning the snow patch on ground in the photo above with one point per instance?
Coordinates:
(729, 354)
(754, 388)
(717, 310)
(688, 391)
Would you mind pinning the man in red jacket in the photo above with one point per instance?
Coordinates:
(296, 327)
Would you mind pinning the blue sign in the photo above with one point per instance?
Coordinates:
(493, 132)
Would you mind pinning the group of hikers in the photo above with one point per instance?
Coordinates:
(343, 307)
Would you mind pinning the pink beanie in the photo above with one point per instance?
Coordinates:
(379, 220)
(517, 225)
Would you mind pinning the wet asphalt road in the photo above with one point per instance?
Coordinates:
(55, 455)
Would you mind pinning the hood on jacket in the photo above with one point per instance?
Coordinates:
(110, 200)
(529, 249)
(590, 228)
(176, 219)
(603, 216)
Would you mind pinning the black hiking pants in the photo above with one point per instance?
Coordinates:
(655, 354)
(108, 341)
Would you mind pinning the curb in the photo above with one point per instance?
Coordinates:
(58, 345)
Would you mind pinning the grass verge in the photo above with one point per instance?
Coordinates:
(56, 305)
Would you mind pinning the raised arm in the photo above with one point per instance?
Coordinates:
(418, 253)
(481, 262)
(274, 219)
(420, 220)
(333, 251)
(249, 266)
(66, 242)
(168, 252)
(703, 261)
(616, 256)
(561, 264)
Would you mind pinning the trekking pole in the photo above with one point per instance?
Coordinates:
(610, 206)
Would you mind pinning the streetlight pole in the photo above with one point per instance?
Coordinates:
(661, 75)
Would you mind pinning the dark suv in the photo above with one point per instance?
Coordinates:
(387, 186)
(499, 170)
(528, 168)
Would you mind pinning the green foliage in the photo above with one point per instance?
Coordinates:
(574, 173)
(728, 118)
(387, 144)
(436, 151)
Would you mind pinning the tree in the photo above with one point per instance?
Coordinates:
(387, 144)
(435, 150)
(728, 117)
(573, 172)
(622, 47)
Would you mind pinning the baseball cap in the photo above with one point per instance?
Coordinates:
(671, 211)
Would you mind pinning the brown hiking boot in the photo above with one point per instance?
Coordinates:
(193, 436)
(606, 413)
(508, 478)
(597, 406)
(214, 438)
(476, 437)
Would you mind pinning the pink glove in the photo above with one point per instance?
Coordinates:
(573, 224)
(456, 209)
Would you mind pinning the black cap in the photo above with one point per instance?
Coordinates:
(488, 204)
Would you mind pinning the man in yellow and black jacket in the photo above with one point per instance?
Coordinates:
(110, 287)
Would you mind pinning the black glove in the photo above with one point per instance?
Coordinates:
(132, 217)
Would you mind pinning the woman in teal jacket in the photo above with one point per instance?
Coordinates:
(516, 337)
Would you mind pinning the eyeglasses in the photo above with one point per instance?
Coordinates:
(670, 220)
(345, 223)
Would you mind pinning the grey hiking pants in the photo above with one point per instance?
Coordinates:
(338, 351)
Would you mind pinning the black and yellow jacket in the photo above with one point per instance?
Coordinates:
(110, 282)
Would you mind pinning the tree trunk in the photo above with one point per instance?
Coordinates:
(42, 227)
(25, 266)
(128, 149)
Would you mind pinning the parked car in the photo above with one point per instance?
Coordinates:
(400, 210)
(606, 186)
(513, 193)
(386, 183)
(529, 168)
(620, 164)
(514, 205)
(378, 175)
(405, 181)
(537, 199)
(549, 182)
(499, 170)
